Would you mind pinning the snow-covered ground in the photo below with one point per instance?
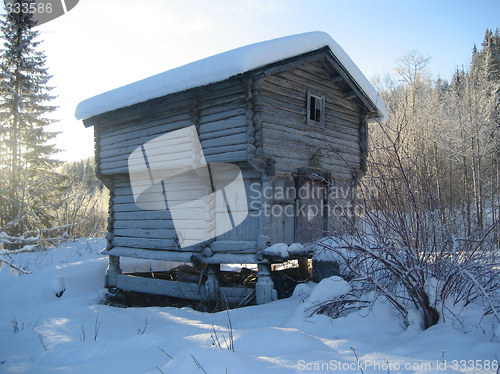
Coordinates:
(43, 333)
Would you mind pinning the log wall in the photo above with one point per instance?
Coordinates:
(290, 140)
(219, 113)
(247, 120)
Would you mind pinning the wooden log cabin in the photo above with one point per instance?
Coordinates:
(290, 113)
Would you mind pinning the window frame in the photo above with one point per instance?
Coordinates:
(322, 98)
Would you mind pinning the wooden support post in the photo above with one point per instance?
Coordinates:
(265, 216)
(112, 271)
(304, 268)
(212, 284)
(264, 288)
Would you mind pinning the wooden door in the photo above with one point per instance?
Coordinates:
(311, 215)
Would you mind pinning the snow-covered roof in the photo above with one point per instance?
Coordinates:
(223, 66)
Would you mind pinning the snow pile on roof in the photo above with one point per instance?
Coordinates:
(223, 66)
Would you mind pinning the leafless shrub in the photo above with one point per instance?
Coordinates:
(340, 307)
(229, 342)
(198, 365)
(165, 353)
(82, 334)
(409, 248)
(42, 342)
(143, 330)
(97, 326)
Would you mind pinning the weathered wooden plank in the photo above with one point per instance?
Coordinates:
(114, 170)
(290, 87)
(364, 103)
(281, 103)
(248, 230)
(297, 80)
(145, 233)
(122, 191)
(122, 150)
(160, 244)
(183, 290)
(129, 198)
(130, 131)
(125, 148)
(234, 246)
(123, 194)
(155, 108)
(282, 224)
(317, 140)
(223, 126)
(322, 71)
(212, 95)
(165, 255)
(304, 77)
(229, 99)
(231, 154)
(217, 258)
(330, 156)
(225, 149)
(131, 138)
(222, 113)
(122, 163)
(291, 166)
(158, 287)
(170, 122)
(183, 155)
(301, 76)
(200, 213)
(241, 138)
(227, 157)
(303, 130)
(300, 113)
(303, 160)
(283, 217)
(121, 181)
(285, 162)
(143, 215)
(144, 224)
(333, 115)
(173, 196)
(320, 150)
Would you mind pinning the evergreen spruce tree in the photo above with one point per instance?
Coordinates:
(27, 171)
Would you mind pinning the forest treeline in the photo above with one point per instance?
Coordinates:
(447, 134)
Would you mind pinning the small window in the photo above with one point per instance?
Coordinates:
(315, 108)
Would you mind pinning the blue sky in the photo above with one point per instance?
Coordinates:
(100, 45)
